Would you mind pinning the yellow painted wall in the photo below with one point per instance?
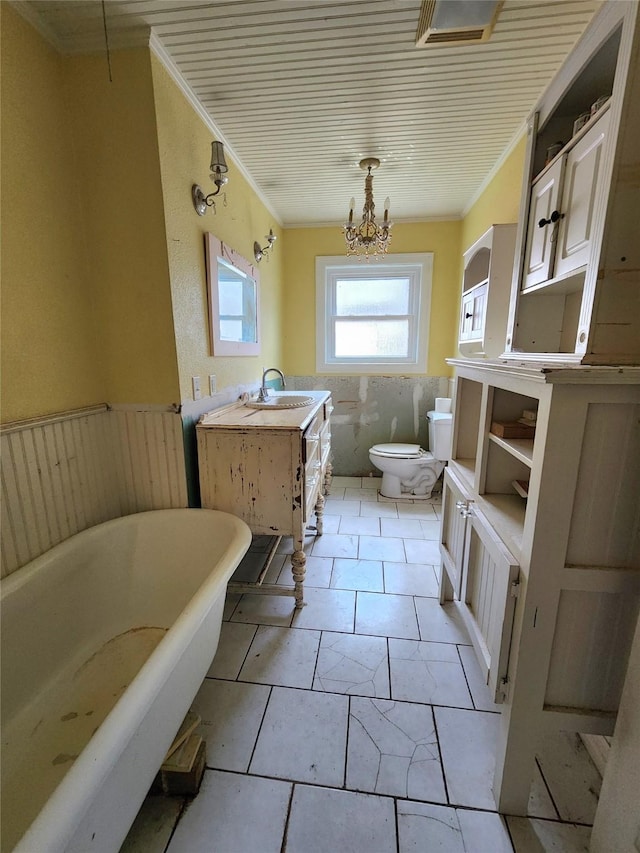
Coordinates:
(301, 245)
(118, 160)
(86, 303)
(50, 361)
(185, 151)
(500, 202)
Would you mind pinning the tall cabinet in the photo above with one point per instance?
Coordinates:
(486, 282)
(575, 293)
(540, 545)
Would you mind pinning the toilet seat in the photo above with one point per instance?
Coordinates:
(400, 451)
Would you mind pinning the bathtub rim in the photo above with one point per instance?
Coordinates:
(92, 767)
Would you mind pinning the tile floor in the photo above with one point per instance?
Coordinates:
(361, 723)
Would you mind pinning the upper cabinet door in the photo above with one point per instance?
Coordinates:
(584, 165)
(473, 313)
(545, 194)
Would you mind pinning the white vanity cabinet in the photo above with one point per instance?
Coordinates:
(486, 282)
(271, 468)
(575, 292)
(548, 584)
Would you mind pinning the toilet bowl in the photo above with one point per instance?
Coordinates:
(408, 471)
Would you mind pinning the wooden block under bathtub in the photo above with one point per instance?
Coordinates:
(182, 771)
(189, 724)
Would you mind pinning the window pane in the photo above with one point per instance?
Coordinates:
(230, 296)
(384, 338)
(372, 297)
(231, 330)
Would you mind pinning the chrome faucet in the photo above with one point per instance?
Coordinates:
(264, 391)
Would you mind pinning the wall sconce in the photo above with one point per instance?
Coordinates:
(259, 252)
(218, 175)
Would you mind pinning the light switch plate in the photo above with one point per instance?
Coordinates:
(213, 384)
(197, 393)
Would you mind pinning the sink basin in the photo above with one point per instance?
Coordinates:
(280, 401)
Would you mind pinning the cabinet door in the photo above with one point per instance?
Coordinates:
(545, 195)
(473, 313)
(489, 598)
(455, 507)
(584, 164)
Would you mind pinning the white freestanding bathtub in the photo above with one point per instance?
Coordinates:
(105, 641)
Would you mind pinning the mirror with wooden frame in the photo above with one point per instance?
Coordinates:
(232, 293)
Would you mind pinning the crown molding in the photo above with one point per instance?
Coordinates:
(159, 50)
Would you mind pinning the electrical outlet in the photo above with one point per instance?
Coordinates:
(197, 393)
(213, 384)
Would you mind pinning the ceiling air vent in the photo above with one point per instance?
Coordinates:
(456, 21)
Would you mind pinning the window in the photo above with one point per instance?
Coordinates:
(373, 318)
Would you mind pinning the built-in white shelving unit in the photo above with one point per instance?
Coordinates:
(548, 584)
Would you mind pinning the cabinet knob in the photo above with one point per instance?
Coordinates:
(555, 216)
(461, 504)
(468, 316)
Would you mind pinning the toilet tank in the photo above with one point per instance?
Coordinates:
(440, 434)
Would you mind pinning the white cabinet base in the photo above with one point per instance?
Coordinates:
(548, 585)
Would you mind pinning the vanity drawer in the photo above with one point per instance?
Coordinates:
(311, 442)
(312, 480)
(325, 442)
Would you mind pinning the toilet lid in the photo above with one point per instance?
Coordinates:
(402, 451)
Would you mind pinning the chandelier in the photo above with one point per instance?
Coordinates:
(368, 237)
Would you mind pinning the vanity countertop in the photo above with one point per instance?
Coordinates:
(239, 416)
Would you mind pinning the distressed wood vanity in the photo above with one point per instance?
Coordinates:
(270, 467)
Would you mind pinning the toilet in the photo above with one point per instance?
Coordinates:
(408, 471)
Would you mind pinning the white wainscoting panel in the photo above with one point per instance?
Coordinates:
(64, 473)
(151, 469)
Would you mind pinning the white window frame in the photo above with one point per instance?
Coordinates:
(419, 268)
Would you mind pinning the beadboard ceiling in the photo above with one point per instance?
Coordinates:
(301, 90)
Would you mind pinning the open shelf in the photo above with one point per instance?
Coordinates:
(473, 287)
(521, 448)
(468, 406)
(477, 269)
(569, 282)
(503, 466)
(575, 137)
(506, 515)
(465, 469)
